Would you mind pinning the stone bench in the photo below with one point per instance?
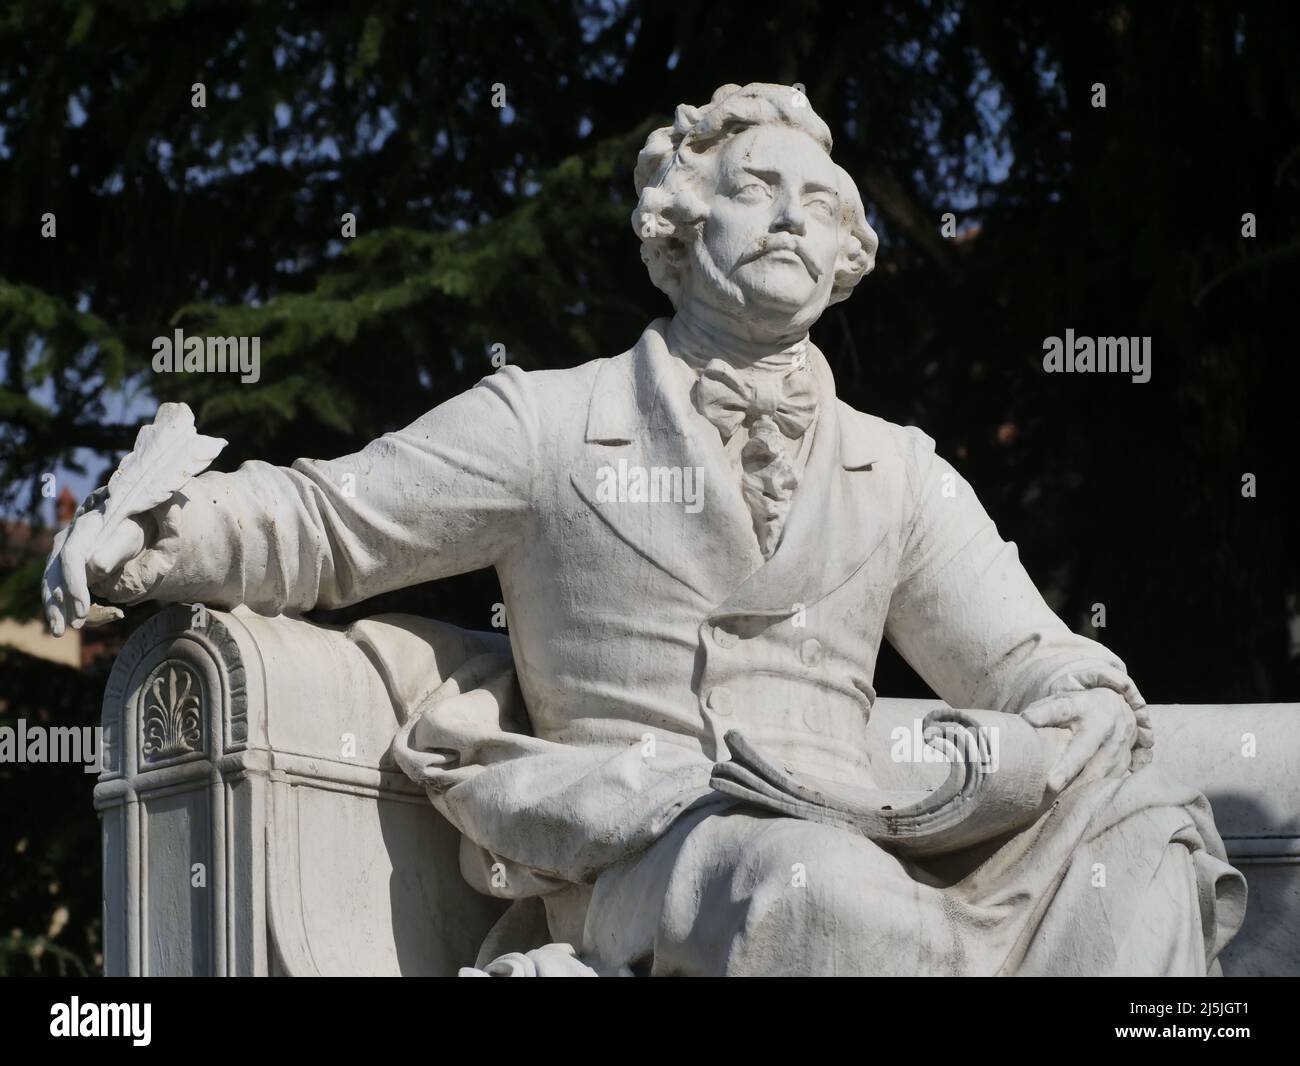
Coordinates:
(254, 822)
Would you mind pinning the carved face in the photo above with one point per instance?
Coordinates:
(772, 235)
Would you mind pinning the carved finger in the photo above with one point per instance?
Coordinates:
(126, 543)
(1053, 713)
(73, 560)
(1116, 748)
(1146, 732)
(52, 595)
(1087, 741)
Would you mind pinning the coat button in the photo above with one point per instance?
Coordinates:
(810, 651)
(724, 638)
(720, 700)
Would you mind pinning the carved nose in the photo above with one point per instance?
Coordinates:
(791, 219)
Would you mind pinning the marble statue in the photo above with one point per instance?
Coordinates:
(701, 549)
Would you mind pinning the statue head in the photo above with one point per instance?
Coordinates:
(741, 209)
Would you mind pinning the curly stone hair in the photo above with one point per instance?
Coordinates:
(679, 162)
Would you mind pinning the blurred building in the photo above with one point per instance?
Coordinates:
(23, 545)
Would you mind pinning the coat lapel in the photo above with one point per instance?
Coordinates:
(640, 417)
(838, 516)
(640, 420)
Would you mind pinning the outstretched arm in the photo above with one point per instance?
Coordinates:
(448, 494)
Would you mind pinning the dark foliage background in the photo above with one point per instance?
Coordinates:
(479, 225)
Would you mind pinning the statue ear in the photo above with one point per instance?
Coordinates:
(858, 242)
(856, 259)
(867, 240)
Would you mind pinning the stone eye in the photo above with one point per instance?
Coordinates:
(824, 208)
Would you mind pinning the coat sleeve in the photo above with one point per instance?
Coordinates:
(965, 613)
(448, 494)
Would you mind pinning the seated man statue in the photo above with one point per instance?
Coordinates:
(696, 540)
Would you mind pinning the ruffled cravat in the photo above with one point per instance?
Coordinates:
(777, 408)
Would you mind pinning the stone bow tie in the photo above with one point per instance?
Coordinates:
(730, 398)
(775, 407)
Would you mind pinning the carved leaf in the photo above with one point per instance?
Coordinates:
(172, 723)
(167, 454)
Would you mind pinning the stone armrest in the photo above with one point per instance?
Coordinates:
(253, 820)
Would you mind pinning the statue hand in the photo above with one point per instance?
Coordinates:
(120, 568)
(1106, 729)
